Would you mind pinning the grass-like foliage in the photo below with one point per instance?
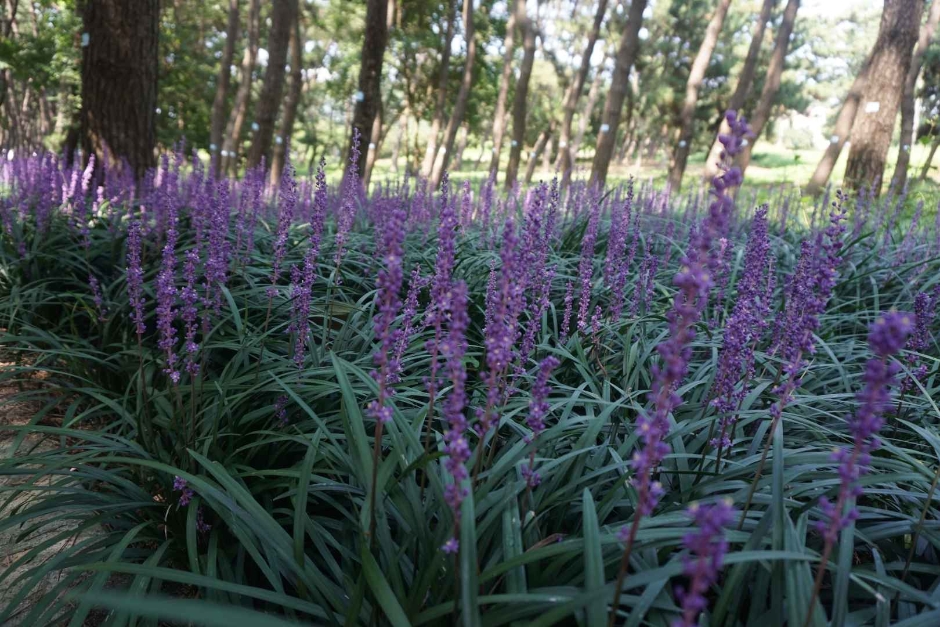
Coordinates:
(422, 407)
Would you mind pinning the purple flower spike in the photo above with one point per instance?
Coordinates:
(707, 548)
(538, 409)
(456, 446)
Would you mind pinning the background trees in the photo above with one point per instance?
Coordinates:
(590, 88)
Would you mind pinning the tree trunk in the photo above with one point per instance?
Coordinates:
(771, 81)
(461, 146)
(221, 89)
(402, 134)
(283, 15)
(119, 81)
(499, 118)
(430, 152)
(743, 87)
(460, 104)
(933, 151)
(375, 143)
(696, 76)
(891, 61)
(231, 143)
(907, 99)
(536, 152)
(369, 98)
(841, 131)
(593, 94)
(565, 161)
(527, 28)
(626, 54)
(294, 92)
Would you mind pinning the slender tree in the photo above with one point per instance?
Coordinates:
(369, 97)
(294, 92)
(541, 145)
(527, 29)
(907, 99)
(771, 80)
(499, 116)
(933, 151)
(223, 82)
(743, 87)
(696, 77)
(283, 16)
(440, 101)
(231, 143)
(573, 95)
(585, 117)
(890, 63)
(460, 104)
(840, 133)
(626, 55)
(119, 81)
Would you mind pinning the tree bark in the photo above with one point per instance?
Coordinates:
(222, 88)
(375, 143)
(462, 140)
(437, 121)
(585, 118)
(841, 131)
(374, 41)
(499, 118)
(564, 161)
(890, 63)
(696, 76)
(294, 92)
(933, 151)
(743, 87)
(231, 143)
(460, 104)
(527, 29)
(119, 81)
(626, 54)
(283, 15)
(540, 145)
(907, 99)
(771, 81)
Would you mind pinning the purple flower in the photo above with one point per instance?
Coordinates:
(694, 280)
(707, 547)
(451, 546)
(388, 302)
(622, 266)
(96, 296)
(566, 318)
(179, 485)
(586, 265)
(456, 446)
(347, 211)
(280, 409)
(135, 278)
(166, 298)
(216, 267)
(886, 337)
(287, 202)
(189, 311)
(920, 339)
(538, 409)
(409, 315)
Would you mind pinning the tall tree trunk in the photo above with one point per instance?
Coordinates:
(294, 92)
(460, 104)
(564, 161)
(840, 133)
(907, 99)
(221, 89)
(437, 121)
(933, 151)
(231, 142)
(891, 61)
(400, 138)
(583, 121)
(369, 98)
(626, 54)
(696, 76)
(283, 15)
(743, 87)
(540, 145)
(119, 81)
(462, 140)
(771, 81)
(527, 28)
(375, 143)
(499, 117)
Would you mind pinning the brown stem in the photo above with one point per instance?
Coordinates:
(920, 523)
(624, 564)
(827, 551)
(760, 470)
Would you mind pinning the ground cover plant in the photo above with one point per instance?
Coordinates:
(313, 405)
